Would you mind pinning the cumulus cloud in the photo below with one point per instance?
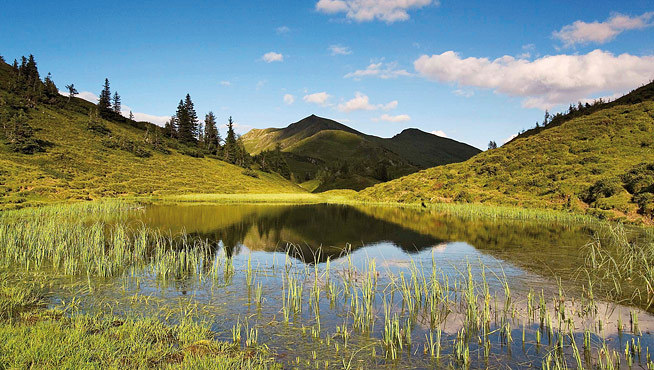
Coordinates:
(440, 133)
(581, 32)
(272, 57)
(225, 83)
(282, 30)
(362, 102)
(379, 70)
(463, 93)
(86, 95)
(368, 10)
(319, 98)
(389, 118)
(510, 138)
(91, 97)
(544, 82)
(340, 50)
(289, 99)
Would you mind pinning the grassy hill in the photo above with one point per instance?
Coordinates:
(599, 163)
(85, 157)
(324, 154)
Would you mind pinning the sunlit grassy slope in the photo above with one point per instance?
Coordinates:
(602, 163)
(80, 165)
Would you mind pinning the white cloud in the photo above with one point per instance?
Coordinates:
(368, 10)
(544, 82)
(289, 99)
(509, 138)
(282, 30)
(362, 102)
(319, 98)
(389, 118)
(581, 32)
(380, 70)
(272, 57)
(157, 120)
(340, 50)
(225, 83)
(91, 97)
(463, 93)
(440, 133)
(86, 95)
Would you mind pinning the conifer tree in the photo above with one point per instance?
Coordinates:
(116, 103)
(211, 135)
(104, 103)
(72, 91)
(229, 150)
(187, 121)
(51, 90)
(171, 127)
(131, 116)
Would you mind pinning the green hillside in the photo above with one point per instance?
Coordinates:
(599, 163)
(78, 155)
(324, 154)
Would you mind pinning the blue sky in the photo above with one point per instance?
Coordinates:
(471, 70)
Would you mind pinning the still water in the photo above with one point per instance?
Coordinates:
(332, 253)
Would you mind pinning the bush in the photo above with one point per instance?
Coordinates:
(250, 172)
(603, 188)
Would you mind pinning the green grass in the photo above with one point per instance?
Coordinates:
(582, 165)
(34, 337)
(80, 163)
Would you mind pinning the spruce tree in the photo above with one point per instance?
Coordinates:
(51, 90)
(187, 121)
(104, 103)
(192, 116)
(171, 127)
(211, 136)
(72, 91)
(116, 103)
(229, 150)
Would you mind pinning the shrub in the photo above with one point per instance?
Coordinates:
(603, 188)
(250, 172)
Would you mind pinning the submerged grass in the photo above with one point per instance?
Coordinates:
(34, 337)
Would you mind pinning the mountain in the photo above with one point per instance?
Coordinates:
(71, 154)
(598, 160)
(324, 154)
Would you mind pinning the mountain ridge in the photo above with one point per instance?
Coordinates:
(333, 146)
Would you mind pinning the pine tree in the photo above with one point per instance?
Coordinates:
(492, 145)
(171, 127)
(116, 103)
(192, 116)
(187, 121)
(104, 103)
(229, 150)
(131, 116)
(72, 91)
(211, 136)
(546, 120)
(51, 90)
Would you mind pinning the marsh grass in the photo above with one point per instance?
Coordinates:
(462, 321)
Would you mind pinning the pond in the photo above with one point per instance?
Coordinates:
(335, 286)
